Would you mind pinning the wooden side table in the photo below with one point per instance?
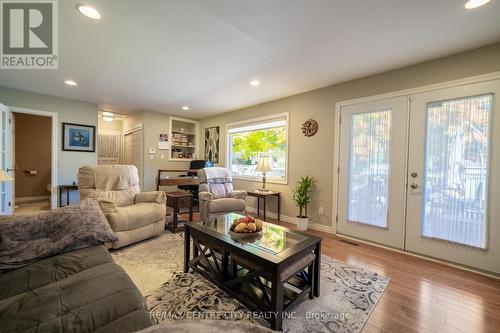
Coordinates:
(176, 201)
(68, 189)
(263, 195)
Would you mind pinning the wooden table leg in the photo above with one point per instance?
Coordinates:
(310, 276)
(190, 209)
(176, 212)
(187, 249)
(225, 266)
(67, 197)
(279, 206)
(60, 197)
(317, 269)
(277, 303)
(264, 199)
(258, 206)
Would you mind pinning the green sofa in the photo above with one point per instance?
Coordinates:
(78, 291)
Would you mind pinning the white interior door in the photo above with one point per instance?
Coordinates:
(133, 151)
(372, 173)
(453, 202)
(6, 150)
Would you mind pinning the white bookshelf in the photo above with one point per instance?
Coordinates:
(183, 139)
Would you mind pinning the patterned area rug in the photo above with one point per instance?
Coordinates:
(348, 293)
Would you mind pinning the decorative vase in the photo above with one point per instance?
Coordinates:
(302, 223)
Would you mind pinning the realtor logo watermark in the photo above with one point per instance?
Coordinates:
(29, 34)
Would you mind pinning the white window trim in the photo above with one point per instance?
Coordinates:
(269, 180)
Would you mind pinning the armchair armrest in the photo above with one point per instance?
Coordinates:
(205, 196)
(150, 197)
(107, 206)
(238, 194)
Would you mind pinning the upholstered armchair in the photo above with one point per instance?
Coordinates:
(216, 193)
(133, 215)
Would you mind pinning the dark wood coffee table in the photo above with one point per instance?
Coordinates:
(269, 274)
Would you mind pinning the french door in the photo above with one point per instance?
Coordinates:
(6, 188)
(373, 170)
(454, 175)
(422, 173)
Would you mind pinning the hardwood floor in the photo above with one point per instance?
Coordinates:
(422, 296)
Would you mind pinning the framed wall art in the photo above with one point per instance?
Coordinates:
(77, 137)
(212, 144)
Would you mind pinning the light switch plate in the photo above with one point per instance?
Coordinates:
(152, 151)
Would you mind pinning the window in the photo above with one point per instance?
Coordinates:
(369, 168)
(252, 140)
(456, 170)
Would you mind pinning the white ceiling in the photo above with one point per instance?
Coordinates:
(160, 55)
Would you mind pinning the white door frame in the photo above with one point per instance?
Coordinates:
(54, 148)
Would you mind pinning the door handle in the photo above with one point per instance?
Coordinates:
(9, 169)
(414, 186)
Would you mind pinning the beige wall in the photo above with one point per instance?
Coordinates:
(154, 123)
(314, 156)
(69, 111)
(32, 137)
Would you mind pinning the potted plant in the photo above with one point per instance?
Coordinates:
(302, 196)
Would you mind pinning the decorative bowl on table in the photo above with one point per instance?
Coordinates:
(245, 227)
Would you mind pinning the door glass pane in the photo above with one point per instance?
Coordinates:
(369, 168)
(456, 170)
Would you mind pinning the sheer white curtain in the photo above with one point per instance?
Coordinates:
(369, 168)
(456, 170)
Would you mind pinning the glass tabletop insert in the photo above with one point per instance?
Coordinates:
(273, 238)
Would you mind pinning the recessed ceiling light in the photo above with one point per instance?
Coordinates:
(254, 83)
(185, 108)
(107, 118)
(71, 83)
(471, 4)
(107, 114)
(89, 11)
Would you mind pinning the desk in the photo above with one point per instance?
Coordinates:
(263, 195)
(68, 189)
(177, 200)
(176, 180)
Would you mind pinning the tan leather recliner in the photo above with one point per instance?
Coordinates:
(217, 195)
(133, 215)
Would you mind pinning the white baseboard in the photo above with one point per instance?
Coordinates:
(290, 219)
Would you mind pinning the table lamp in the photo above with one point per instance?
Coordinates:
(264, 165)
(4, 176)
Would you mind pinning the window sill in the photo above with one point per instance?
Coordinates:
(259, 180)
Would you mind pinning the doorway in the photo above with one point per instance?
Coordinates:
(133, 151)
(32, 151)
(421, 173)
(7, 158)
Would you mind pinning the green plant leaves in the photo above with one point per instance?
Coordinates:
(302, 193)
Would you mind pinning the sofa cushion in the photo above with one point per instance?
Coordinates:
(50, 270)
(226, 205)
(27, 238)
(136, 216)
(94, 296)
